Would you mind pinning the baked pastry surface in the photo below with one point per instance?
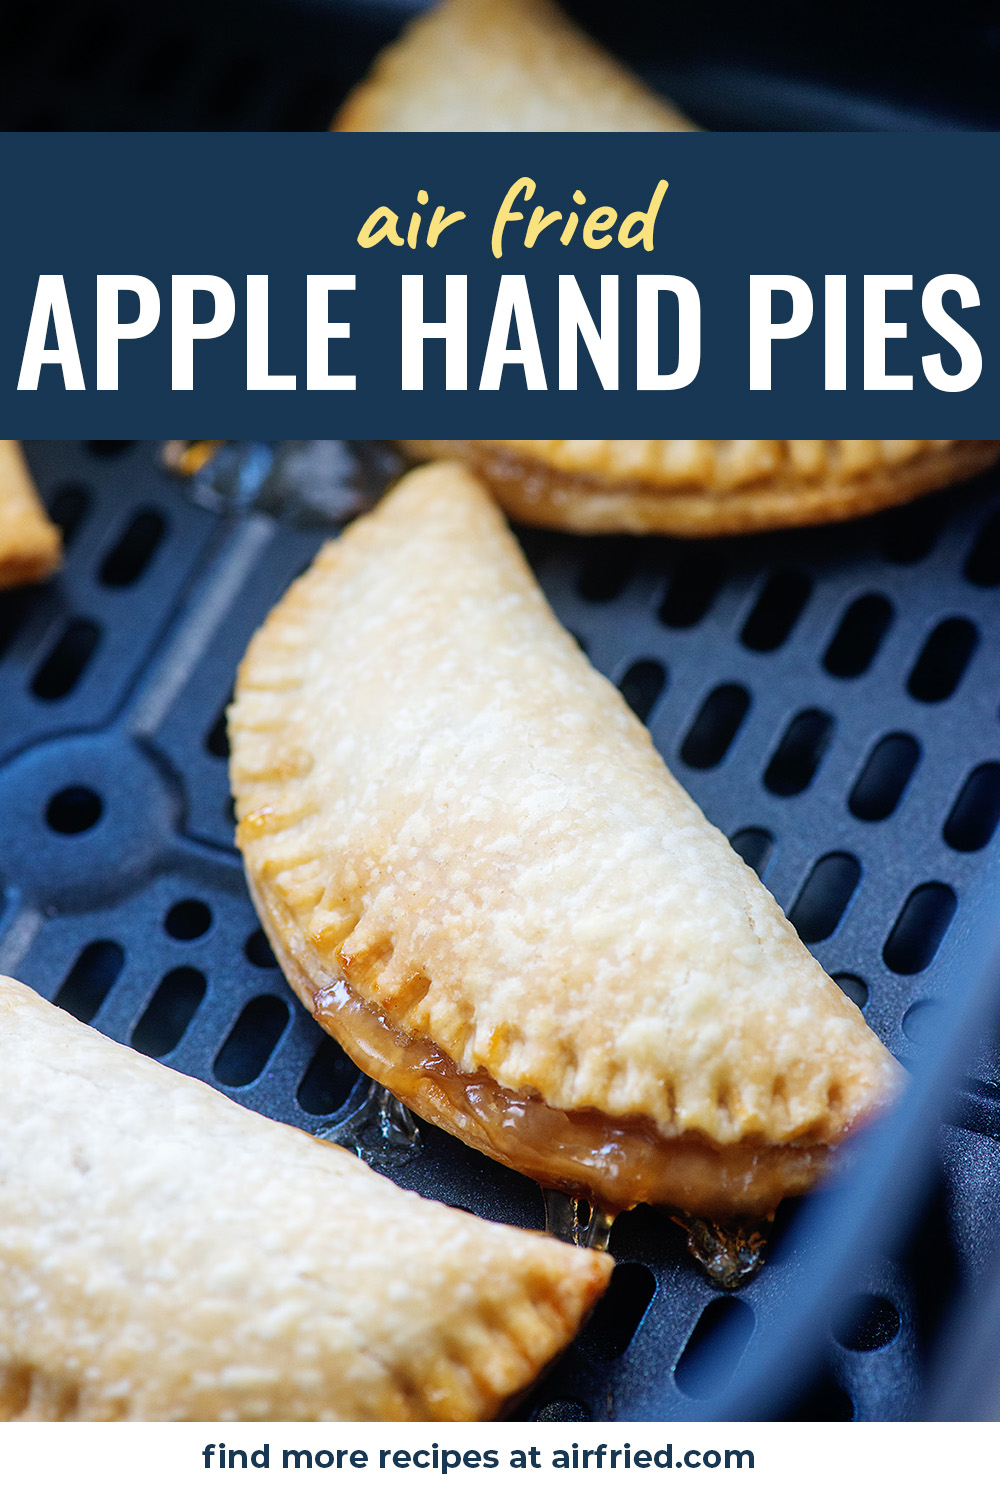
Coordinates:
(478, 873)
(30, 546)
(704, 487)
(501, 65)
(166, 1254)
(485, 65)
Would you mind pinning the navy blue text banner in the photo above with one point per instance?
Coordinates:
(424, 286)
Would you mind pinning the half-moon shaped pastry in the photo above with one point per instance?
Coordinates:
(486, 65)
(481, 878)
(166, 1254)
(707, 488)
(30, 546)
(501, 65)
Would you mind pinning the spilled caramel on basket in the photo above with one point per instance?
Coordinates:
(381, 1131)
(729, 1254)
(612, 1162)
(577, 1221)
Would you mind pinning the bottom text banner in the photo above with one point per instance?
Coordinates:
(745, 1460)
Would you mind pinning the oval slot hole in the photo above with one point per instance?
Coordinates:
(983, 564)
(134, 550)
(607, 573)
(883, 781)
(715, 727)
(858, 637)
(86, 985)
(973, 819)
(713, 1351)
(909, 534)
(866, 1323)
(781, 601)
(63, 667)
(797, 759)
(617, 1317)
(328, 1079)
(854, 988)
(641, 687)
(754, 846)
(244, 1054)
(942, 662)
(169, 1013)
(217, 738)
(824, 898)
(109, 447)
(691, 594)
(68, 507)
(258, 951)
(920, 927)
(14, 610)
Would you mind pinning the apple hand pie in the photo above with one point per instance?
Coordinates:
(30, 547)
(481, 878)
(166, 1254)
(486, 65)
(707, 487)
(501, 65)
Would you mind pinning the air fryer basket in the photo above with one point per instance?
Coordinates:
(287, 64)
(830, 698)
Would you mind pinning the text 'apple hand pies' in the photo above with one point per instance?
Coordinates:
(479, 875)
(166, 1254)
(707, 487)
(501, 65)
(30, 546)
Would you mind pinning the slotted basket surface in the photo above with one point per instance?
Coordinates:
(830, 698)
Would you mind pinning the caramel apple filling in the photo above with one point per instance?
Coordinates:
(615, 1163)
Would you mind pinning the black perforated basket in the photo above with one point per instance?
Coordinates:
(830, 698)
(287, 64)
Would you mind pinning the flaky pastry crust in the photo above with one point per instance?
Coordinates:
(443, 807)
(166, 1254)
(483, 65)
(707, 488)
(30, 546)
(501, 65)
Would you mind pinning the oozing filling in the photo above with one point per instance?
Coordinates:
(615, 1162)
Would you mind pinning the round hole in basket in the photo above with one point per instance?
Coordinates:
(73, 810)
(187, 920)
(866, 1323)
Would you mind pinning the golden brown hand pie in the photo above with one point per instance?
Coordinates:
(707, 488)
(521, 65)
(501, 65)
(166, 1254)
(30, 547)
(479, 875)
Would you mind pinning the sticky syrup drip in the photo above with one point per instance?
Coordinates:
(730, 1255)
(613, 1162)
(382, 1131)
(577, 1221)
